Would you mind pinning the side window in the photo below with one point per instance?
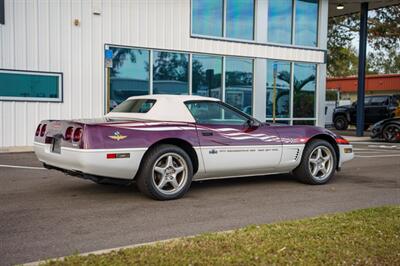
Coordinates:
(215, 113)
(367, 101)
(379, 101)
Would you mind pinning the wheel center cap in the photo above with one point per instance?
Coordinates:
(170, 171)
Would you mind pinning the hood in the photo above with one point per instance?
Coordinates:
(393, 119)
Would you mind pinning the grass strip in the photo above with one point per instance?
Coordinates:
(362, 237)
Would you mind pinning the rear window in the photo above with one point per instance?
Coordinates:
(134, 106)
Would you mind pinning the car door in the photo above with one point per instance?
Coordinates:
(377, 109)
(232, 143)
(353, 110)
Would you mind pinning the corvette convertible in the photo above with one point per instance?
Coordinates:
(164, 142)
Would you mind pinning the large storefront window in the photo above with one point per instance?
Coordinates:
(233, 19)
(207, 17)
(278, 89)
(239, 83)
(170, 73)
(280, 21)
(239, 19)
(207, 75)
(129, 74)
(306, 22)
(304, 87)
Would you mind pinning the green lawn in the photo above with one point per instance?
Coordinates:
(363, 237)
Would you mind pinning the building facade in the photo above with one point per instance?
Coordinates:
(346, 87)
(71, 59)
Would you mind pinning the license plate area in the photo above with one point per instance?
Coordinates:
(56, 145)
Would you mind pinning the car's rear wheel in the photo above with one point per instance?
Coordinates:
(318, 163)
(340, 122)
(166, 173)
(391, 133)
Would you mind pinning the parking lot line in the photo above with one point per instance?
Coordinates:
(22, 167)
(377, 156)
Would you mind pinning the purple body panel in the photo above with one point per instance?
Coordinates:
(98, 133)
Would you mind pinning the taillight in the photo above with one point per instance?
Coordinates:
(68, 133)
(38, 130)
(43, 130)
(77, 134)
(341, 140)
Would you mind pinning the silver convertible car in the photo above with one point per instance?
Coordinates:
(164, 142)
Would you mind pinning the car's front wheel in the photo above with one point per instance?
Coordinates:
(166, 173)
(318, 164)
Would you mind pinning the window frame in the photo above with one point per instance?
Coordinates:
(60, 97)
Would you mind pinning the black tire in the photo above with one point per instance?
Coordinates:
(340, 122)
(304, 173)
(391, 133)
(147, 184)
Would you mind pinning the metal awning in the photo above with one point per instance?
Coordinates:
(353, 6)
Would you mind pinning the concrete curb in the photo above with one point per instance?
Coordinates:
(109, 250)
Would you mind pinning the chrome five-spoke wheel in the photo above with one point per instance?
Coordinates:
(170, 173)
(166, 172)
(320, 162)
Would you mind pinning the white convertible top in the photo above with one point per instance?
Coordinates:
(166, 108)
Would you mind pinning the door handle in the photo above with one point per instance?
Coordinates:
(207, 133)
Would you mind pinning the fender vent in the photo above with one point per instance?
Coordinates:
(296, 156)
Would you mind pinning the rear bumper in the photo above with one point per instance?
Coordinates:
(91, 162)
(346, 153)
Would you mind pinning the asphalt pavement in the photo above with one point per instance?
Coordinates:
(46, 214)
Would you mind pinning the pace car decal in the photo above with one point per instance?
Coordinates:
(230, 133)
(117, 136)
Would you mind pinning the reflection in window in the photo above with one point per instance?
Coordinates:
(239, 83)
(129, 75)
(206, 75)
(170, 73)
(207, 17)
(239, 19)
(280, 21)
(304, 90)
(306, 22)
(18, 85)
(282, 89)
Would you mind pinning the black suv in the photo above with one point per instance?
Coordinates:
(377, 107)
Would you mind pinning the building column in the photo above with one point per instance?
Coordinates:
(321, 68)
(260, 65)
(362, 54)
